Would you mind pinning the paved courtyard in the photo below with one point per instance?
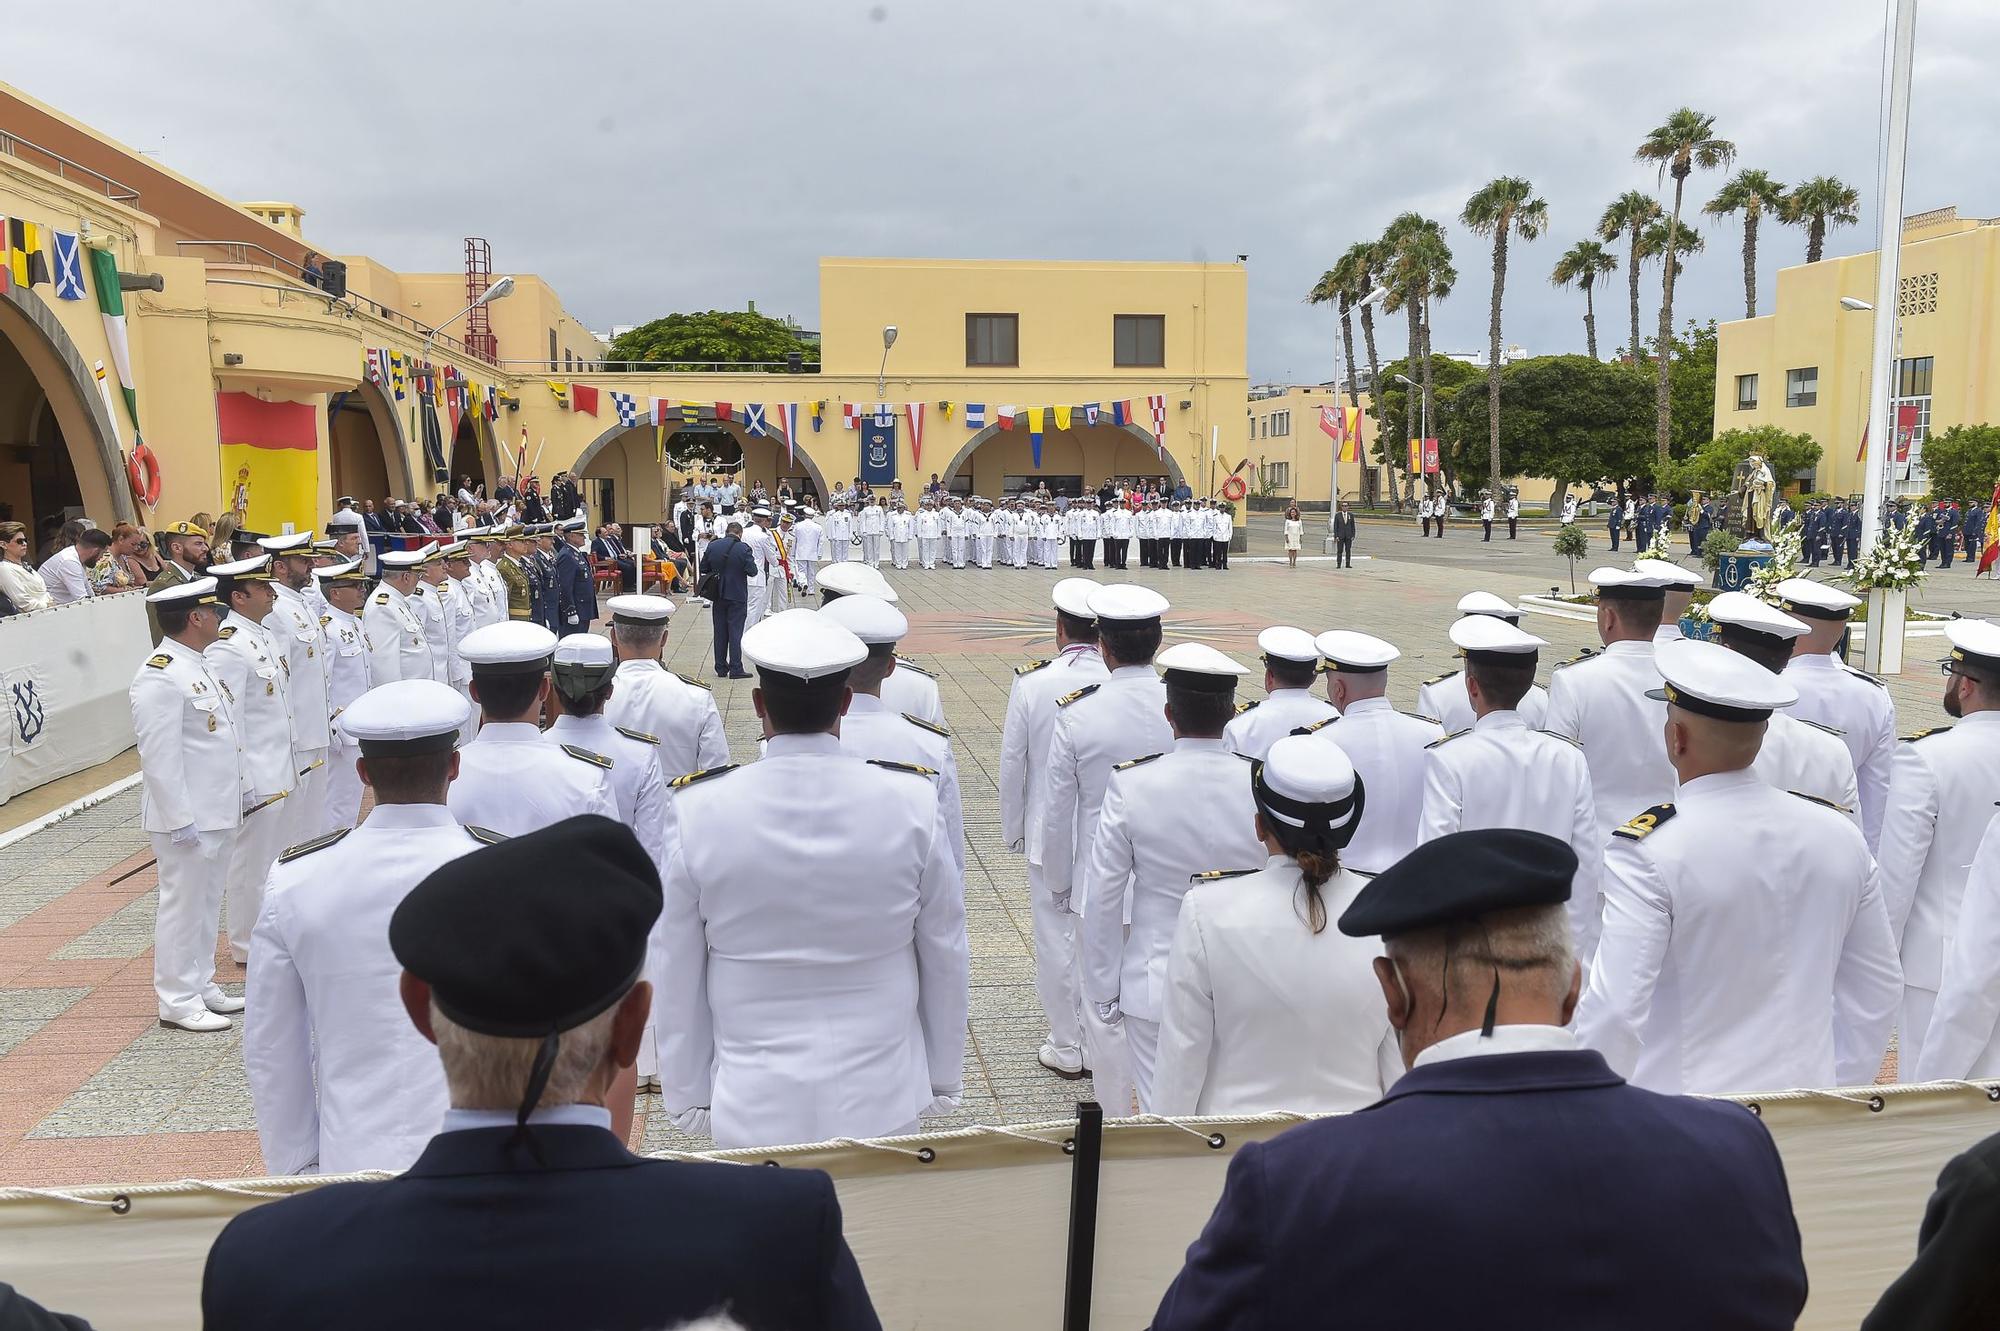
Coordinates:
(92, 1089)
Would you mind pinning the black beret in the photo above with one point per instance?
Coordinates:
(535, 935)
(1459, 878)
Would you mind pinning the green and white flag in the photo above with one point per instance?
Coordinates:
(111, 304)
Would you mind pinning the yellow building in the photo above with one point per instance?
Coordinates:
(252, 384)
(1805, 367)
(1293, 457)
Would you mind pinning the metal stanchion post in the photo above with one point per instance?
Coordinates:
(1088, 1148)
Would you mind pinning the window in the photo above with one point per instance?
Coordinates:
(1913, 389)
(1139, 339)
(552, 348)
(1281, 424)
(1913, 377)
(568, 361)
(1746, 392)
(1279, 475)
(992, 339)
(1802, 386)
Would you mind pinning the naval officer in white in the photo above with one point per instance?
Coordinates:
(1834, 694)
(1443, 699)
(1387, 747)
(1291, 663)
(510, 778)
(680, 713)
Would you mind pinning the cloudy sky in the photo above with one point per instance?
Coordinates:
(676, 155)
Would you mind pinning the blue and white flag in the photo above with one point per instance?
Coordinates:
(788, 416)
(753, 420)
(69, 266)
(885, 415)
(975, 415)
(627, 407)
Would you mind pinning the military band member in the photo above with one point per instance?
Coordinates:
(1834, 694)
(678, 712)
(345, 590)
(294, 629)
(510, 778)
(1443, 699)
(1291, 663)
(512, 564)
(191, 765)
(397, 645)
(1387, 747)
(1796, 755)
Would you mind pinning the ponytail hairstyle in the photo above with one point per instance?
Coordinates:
(1311, 832)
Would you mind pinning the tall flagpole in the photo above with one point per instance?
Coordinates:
(1888, 275)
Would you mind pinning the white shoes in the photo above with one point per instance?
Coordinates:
(200, 1022)
(649, 1085)
(223, 1003)
(1065, 1061)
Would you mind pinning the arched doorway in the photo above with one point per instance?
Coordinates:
(625, 457)
(468, 458)
(1085, 454)
(366, 447)
(58, 455)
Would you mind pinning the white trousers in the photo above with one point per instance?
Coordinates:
(1055, 963)
(901, 556)
(957, 544)
(1142, 1042)
(871, 548)
(258, 845)
(184, 925)
(927, 546)
(760, 601)
(1020, 544)
(1910, 1031)
(837, 550)
(810, 568)
(986, 551)
(343, 788)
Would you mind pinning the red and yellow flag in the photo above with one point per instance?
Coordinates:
(1350, 434)
(270, 461)
(1992, 550)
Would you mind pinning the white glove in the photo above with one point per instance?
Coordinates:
(943, 1104)
(185, 835)
(1109, 1013)
(692, 1120)
(1062, 904)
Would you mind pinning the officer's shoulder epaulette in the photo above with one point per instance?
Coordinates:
(485, 834)
(1439, 679)
(688, 679)
(931, 726)
(1831, 730)
(1821, 799)
(683, 782)
(160, 662)
(1925, 734)
(1583, 655)
(381, 598)
(1863, 674)
(894, 766)
(1133, 762)
(639, 735)
(1083, 692)
(1446, 739)
(1567, 739)
(1361, 873)
(305, 848)
(1031, 667)
(1243, 707)
(1213, 874)
(1640, 826)
(905, 663)
(595, 759)
(226, 632)
(1315, 726)
(1418, 716)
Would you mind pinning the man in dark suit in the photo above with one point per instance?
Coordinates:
(609, 544)
(1954, 1283)
(576, 590)
(729, 561)
(526, 1210)
(1343, 537)
(1649, 1212)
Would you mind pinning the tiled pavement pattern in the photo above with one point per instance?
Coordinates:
(93, 1090)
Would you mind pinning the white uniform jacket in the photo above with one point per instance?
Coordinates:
(294, 631)
(802, 1015)
(1025, 735)
(1963, 1039)
(1941, 796)
(1167, 820)
(911, 688)
(871, 730)
(808, 541)
(1259, 725)
(339, 1078)
(1264, 1014)
(1097, 726)
(428, 606)
(190, 754)
(637, 785)
(513, 780)
(252, 672)
(347, 663)
(397, 648)
(673, 709)
(1601, 703)
(1444, 701)
(1387, 748)
(1859, 706)
(1810, 759)
(1745, 946)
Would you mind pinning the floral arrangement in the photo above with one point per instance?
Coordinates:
(1893, 563)
(1658, 549)
(1783, 564)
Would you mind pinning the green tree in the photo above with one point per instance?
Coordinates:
(1693, 355)
(1711, 467)
(1751, 193)
(1572, 419)
(1572, 544)
(714, 336)
(1627, 218)
(1963, 462)
(1580, 267)
(1392, 406)
(1817, 204)
(1503, 207)
(1685, 141)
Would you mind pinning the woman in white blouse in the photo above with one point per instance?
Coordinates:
(1266, 1006)
(1295, 534)
(19, 582)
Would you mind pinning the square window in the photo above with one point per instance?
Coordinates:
(1139, 340)
(992, 339)
(1802, 386)
(1746, 392)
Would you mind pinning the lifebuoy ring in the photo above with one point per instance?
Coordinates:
(142, 470)
(1234, 489)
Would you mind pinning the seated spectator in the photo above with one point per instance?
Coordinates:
(526, 1210)
(129, 564)
(1954, 1282)
(609, 544)
(1557, 1195)
(19, 582)
(67, 572)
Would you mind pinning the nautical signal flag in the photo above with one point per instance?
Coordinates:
(850, 415)
(753, 419)
(788, 418)
(1035, 415)
(25, 260)
(69, 265)
(1121, 412)
(560, 391)
(916, 413)
(583, 398)
(270, 456)
(725, 411)
(625, 407)
(1007, 414)
(975, 415)
(1158, 403)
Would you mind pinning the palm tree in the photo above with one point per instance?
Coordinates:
(1419, 271)
(1355, 272)
(1817, 204)
(1686, 141)
(1328, 291)
(1502, 206)
(1750, 192)
(1627, 216)
(1580, 267)
(1654, 239)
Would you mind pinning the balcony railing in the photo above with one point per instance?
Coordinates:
(12, 145)
(249, 254)
(545, 366)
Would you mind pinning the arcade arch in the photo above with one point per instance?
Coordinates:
(58, 449)
(1091, 452)
(624, 456)
(368, 456)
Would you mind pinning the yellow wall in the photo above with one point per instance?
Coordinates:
(1306, 451)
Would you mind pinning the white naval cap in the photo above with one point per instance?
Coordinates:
(1669, 573)
(760, 512)
(1974, 642)
(1814, 600)
(582, 662)
(402, 561)
(638, 608)
(1355, 653)
(802, 643)
(1072, 596)
(1285, 643)
(1486, 603)
(406, 716)
(1309, 786)
(1127, 603)
(515, 648)
(456, 550)
(1490, 636)
(851, 577)
(1631, 583)
(242, 570)
(869, 618)
(297, 543)
(1710, 680)
(182, 595)
(349, 572)
(1198, 666)
(1739, 614)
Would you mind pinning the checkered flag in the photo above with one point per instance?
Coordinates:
(627, 407)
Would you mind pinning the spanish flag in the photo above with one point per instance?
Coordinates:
(1350, 434)
(1992, 550)
(270, 458)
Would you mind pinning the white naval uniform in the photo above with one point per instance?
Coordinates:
(251, 670)
(462, 616)
(1167, 819)
(429, 608)
(1746, 946)
(869, 729)
(1501, 773)
(913, 689)
(839, 535)
(1263, 1014)
(794, 1015)
(1942, 791)
(191, 765)
(1099, 725)
(1024, 751)
(1259, 725)
(1117, 529)
(870, 525)
(675, 710)
(902, 533)
(339, 1078)
(1444, 701)
(514, 781)
(930, 526)
(985, 531)
(397, 648)
(1962, 1041)
(347, 679)
(294, 631)
(955, 530)
(1808, 759)
(1387, 748)
(1020, 533)
(808, 552)
(1859, 706)
(638, 787)
(1601, 703)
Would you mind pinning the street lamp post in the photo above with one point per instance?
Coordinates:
(1888, 266)
(881, 381)
(1341, 373)
(1424, 430)
(503, 287)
